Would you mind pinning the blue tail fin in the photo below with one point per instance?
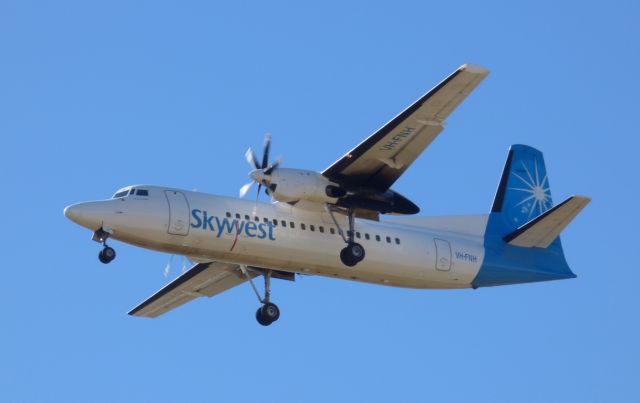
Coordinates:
(523, 195)
(524, 192)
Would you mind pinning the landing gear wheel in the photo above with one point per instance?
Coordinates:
(261, 320)
(352, 254)
(267, 314)
(357, 251)
(107, 254)
(346, 257)
(270, 311)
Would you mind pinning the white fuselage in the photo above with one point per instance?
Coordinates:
(215, 228)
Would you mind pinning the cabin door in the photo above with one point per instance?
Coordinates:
(443, 254)
(178, 212)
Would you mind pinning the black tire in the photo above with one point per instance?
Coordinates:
(356, 251)
(270, 312)
(109, 253)
(103, 258)
(346, 258)
(261, 320)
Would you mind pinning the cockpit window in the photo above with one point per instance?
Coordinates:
(131, 192)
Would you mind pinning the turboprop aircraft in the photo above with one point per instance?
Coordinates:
(329, 223)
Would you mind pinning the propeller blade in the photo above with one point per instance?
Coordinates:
(244, 189)
(184, 265)
(272, 167)
(251, 158)
(265, 154)
(167, 268)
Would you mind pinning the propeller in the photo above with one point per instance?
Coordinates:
(262, 170)
(167, 268)
(183, 269)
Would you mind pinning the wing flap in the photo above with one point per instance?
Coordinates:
(383, 157)
(204, 279)
(543, 230)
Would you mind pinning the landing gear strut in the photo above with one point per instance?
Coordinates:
(268, 312)
(107, 254)
(353, 253)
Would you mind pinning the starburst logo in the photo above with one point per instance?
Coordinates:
(535, 192)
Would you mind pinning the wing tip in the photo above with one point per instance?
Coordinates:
(474, 69)
(582, 198)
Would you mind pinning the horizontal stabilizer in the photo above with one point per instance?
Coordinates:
(544, 229)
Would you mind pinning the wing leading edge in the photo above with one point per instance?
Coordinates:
(383, 157)
(204, 279)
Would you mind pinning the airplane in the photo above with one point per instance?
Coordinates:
(329, 223)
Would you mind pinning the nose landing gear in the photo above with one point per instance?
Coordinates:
(107, 254)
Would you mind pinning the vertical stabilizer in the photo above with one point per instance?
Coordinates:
(524, 192)
(521, 241)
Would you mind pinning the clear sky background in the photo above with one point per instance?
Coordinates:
(98, 95)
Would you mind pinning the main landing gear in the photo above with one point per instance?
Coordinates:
(107, 254)
(353, 253)
(268, 312)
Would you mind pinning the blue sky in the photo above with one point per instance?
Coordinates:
(98, 95)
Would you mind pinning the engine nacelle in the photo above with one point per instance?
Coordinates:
(288, 185)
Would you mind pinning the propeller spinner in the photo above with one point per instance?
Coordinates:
(262, 171)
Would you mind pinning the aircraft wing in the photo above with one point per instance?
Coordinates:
(203, 279)
(379, 160)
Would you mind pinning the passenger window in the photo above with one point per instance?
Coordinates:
(266, 220)
(237, 216)
(332, 230)
(228, 214)
(358, 234)
(284, 223)
(366, 236)
(293, 225)
(321, 229)
(388, 239)
(142, 192)
(302, 226)
(312, 228)
(275, 222)
(378, 238)
(256, 218)
(246, 217)
(397, 241)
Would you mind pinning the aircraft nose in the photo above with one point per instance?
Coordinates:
(89, 215)
(73, 212)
